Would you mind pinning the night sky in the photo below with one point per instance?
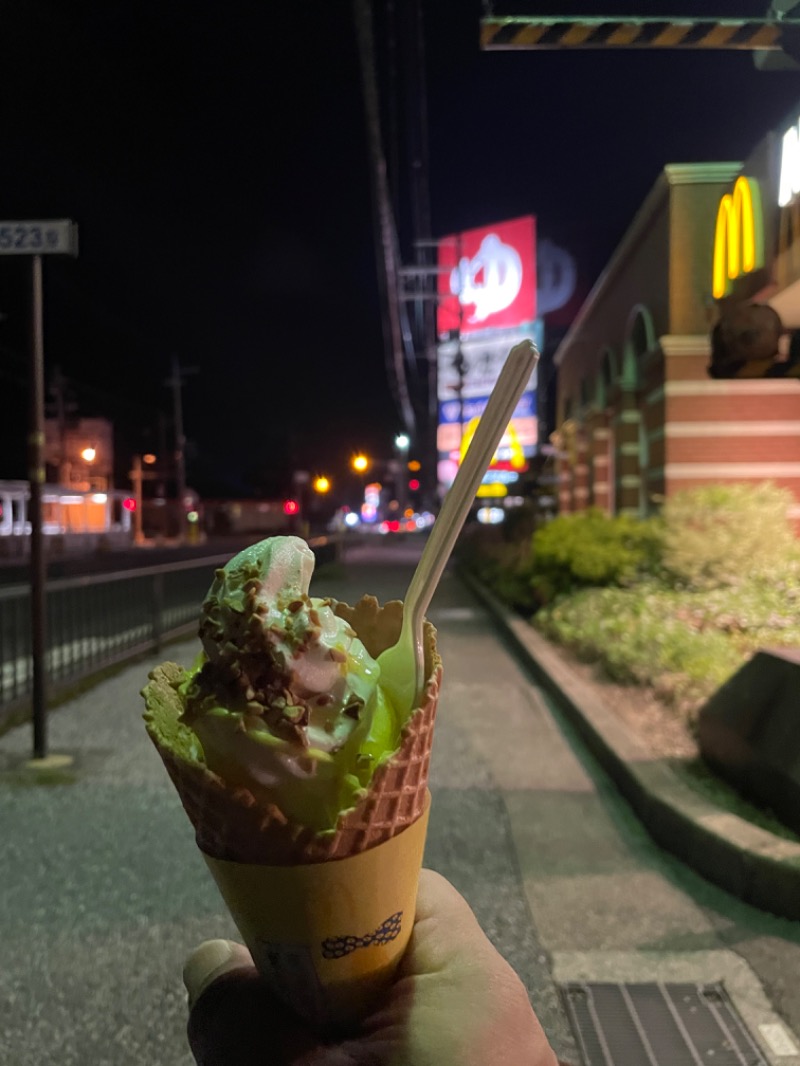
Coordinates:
(215, 159)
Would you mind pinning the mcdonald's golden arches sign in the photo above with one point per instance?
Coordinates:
(738, 236)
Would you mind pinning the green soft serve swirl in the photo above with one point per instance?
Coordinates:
(284, 698)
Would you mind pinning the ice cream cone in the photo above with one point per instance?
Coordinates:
(290, 890)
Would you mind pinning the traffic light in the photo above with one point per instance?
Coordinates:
(291, 507)
(129, 503)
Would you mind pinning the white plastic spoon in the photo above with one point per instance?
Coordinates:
(402, 665)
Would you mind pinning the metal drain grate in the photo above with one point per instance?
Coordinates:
(658, 1025)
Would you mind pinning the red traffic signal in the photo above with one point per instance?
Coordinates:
(129, 503)
(291, 507)
(413, 484)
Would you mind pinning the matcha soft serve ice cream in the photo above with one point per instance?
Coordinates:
(282, 744)
(285, 700)
(307, 792)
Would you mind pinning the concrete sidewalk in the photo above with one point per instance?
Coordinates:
(751, 863)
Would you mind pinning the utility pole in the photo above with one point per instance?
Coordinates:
(384, 221)
(175, 382)
(425, 251)
(136, 476)
(161, 490)
(418, 288)
(60, 407)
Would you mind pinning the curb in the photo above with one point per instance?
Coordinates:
(750, 863)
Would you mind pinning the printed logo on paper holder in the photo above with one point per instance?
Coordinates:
(336, 947)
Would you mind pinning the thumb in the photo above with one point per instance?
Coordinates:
(212, 960)
(233, 1016)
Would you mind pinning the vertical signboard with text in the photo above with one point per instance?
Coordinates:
(486, 305)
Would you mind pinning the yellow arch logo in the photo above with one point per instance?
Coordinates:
(517, 458)
(738, 237)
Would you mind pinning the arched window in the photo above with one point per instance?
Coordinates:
(641, 331)
(640, 338)
(606, 379)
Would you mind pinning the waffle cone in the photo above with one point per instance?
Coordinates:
(230, 824)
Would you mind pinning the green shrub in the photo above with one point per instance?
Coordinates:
(638, 637)
(592, 549)
(722, 534)
(500, 563)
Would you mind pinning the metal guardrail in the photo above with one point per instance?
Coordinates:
(101, 620)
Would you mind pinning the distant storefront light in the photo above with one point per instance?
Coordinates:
(789, 183)
(492, 491)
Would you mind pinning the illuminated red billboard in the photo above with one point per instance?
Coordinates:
(487, 278)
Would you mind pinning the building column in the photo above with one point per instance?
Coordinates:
(628, 477)
(564, 474)
(601, 473)
(566, 439)
(22, 513)
(7, 518)
(581, 468)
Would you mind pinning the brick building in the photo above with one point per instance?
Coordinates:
(638, 415)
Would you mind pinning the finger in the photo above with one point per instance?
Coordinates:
(459, 991)
(436, 895)
(444, 927)
(234, 1018)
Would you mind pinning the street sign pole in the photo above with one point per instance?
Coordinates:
(34, 239)
(38, 575)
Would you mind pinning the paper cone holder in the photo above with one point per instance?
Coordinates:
(328, 936)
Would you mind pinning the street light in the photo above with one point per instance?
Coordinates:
(360, 463)
(321, 484)
(402, 443)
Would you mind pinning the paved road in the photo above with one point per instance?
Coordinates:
(104, 893)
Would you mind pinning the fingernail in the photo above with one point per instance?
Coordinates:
(206, 963)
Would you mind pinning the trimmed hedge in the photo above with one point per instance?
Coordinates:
(592, 549)
(677, 602)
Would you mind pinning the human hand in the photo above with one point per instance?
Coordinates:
(455, 1002)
